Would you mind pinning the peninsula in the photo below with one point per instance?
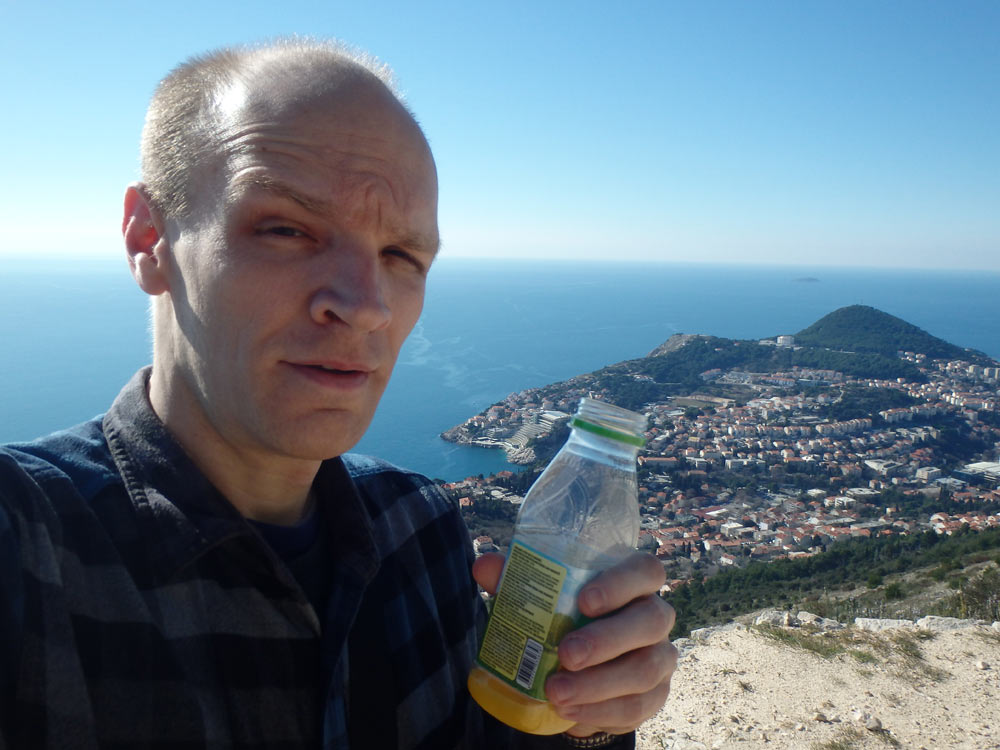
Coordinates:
(860, 428)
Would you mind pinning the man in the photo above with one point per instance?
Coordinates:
(203, 567)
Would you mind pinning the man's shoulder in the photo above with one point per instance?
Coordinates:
(401, 502)
(77, 458)
(387, 480)
(361, 466)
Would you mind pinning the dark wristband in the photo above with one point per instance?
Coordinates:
(600, 739)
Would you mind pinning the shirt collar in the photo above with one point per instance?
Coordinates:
(184, 515)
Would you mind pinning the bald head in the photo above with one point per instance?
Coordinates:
(200, 103)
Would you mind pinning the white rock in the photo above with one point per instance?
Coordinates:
(773, 617)
(876, 624)
(819, 716)
(996, 625)
(935, 623)
(982, 664)
(873, 724)
(821, 623)
(800, 727)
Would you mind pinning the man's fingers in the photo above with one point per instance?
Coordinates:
(487, 569)
(618, 714)
(638, 575)
(636, 673)
(642, 623)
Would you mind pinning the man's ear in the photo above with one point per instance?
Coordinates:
(145, 241)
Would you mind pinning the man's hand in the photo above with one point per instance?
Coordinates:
(616, 670)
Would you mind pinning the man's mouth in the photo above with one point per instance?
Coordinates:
(324, 368)
(333, 375)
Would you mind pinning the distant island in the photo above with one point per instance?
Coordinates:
(807, 280)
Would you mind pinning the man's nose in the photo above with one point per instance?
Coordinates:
(352, 291)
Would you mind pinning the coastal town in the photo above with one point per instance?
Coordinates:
(725, 481)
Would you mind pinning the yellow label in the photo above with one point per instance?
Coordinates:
(518, 632)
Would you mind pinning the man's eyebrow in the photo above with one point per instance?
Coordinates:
(416, 241)
(420, 243)
(281, 189)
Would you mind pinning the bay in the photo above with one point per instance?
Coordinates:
(72, 333)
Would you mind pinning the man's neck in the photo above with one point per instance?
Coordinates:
(261, 486)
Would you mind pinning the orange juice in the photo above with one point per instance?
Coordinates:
(513, 707)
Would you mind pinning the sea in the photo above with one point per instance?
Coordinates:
(72, 332)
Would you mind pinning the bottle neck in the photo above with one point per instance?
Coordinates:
(619, 427)
(594, 444)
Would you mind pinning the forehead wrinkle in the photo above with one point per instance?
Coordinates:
(242, 184)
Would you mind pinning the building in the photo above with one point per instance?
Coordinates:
(928, 473)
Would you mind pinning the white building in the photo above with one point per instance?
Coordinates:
(928, 473)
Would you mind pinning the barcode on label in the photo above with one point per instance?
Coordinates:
(529, 663)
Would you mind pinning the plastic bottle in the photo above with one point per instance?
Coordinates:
(580, 517)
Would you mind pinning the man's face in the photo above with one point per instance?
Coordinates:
(301, 271)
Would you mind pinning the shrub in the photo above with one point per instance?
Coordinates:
(981, 595)
(894, 591)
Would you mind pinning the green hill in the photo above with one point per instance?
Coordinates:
(860, 328)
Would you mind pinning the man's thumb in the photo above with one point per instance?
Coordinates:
(487, 569)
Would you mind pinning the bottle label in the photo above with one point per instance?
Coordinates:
(534, 608)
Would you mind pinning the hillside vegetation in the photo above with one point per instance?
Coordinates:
(679, 371)
(843, 567)
(859, 328)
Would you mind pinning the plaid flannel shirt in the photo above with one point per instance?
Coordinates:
(138, 609)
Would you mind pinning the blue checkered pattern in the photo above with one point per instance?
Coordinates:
(138, 609)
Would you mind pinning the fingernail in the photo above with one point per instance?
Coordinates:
(559, 689)
(594, 599)
(573, 651)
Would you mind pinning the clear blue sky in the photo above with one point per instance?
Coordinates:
(797, 132)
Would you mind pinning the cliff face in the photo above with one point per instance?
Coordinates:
(797, 683)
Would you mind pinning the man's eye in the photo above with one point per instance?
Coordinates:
(285, 231)
(397, 252)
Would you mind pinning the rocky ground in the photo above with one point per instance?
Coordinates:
(811, 684)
